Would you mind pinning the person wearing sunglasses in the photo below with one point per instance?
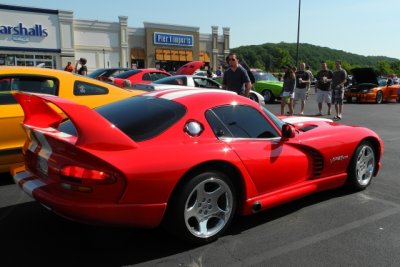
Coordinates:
(235, 77)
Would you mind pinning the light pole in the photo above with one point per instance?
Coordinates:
(298, 34)
(104, 58)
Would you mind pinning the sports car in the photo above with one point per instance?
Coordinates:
(81, 89)
(139, 76)
(367, 88)
(186, 159)
(193, 81)
(267, 85)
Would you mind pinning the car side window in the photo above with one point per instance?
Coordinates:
(240, 121)
(156, 76)
(147, 77)
(33, 84)
(199, 82)
(82, 88)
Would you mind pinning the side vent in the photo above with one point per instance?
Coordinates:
(318, 162)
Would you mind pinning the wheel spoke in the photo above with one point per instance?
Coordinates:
(208, 207)
(203, 227)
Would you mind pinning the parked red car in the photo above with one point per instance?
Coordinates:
(104, 74)
(140, 76)
(187, 158)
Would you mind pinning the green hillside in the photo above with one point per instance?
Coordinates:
(271, 57)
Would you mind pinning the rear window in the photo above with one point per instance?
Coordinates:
(29, 83)
(127, 74)
(82, 88)
(141, 117)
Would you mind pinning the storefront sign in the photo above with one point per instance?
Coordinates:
(22, 33)
(173, 39)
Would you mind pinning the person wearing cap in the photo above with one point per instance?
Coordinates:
(289, 85)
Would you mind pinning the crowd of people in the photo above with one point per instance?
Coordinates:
(329, 88)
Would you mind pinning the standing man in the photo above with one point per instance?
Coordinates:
(323, 88)
(235, 77)
(83, 69)
(300, 93)
(339, 78)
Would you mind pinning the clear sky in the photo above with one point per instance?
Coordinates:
(364, 27)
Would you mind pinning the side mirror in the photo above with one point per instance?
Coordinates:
(288, 131)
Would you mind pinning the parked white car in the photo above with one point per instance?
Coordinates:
(190, 81)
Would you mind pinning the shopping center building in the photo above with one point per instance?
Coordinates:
(30, 36)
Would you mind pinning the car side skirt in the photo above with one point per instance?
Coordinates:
(294, 192)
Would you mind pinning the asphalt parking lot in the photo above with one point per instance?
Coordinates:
(335, 228)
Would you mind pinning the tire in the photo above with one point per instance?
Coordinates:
(253, 97)
(362, 167)
(379, 97)
(268, 97)
(202, 209)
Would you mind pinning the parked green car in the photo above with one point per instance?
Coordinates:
(267, 85)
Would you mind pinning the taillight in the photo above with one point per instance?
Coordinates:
(86, 176)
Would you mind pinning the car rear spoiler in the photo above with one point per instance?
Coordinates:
(93, 130)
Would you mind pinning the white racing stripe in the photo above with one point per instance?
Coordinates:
(21, 176)
(30, 186)
(294, 120)
(178, 94)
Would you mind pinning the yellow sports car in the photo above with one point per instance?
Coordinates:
(81, 89)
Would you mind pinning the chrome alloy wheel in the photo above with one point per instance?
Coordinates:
(365, 165)
(208, 207)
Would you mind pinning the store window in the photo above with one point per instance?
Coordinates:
(45, 61)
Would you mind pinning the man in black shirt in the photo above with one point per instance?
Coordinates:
(300, 93)
(235, 77)
(323, 88)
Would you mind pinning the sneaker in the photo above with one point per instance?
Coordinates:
(301, 113)
(339, 117)
(318, 114)
(329, 113)
(335, 117)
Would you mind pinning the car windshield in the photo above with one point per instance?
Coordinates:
(174, 80)
(96, 73)
(278, 122)
(149, 116)
(264, 76)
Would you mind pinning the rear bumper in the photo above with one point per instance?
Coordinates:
(360, 97)
(93, 212)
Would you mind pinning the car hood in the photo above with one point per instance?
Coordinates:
(304, 124)
(189, 68)
(364, 75)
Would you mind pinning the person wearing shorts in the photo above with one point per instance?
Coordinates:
(287, 95)
(323, 88)
(339, 78)
(300, 93)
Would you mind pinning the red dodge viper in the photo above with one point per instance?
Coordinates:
(189, 159)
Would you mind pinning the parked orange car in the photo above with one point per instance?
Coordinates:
(368, 88)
